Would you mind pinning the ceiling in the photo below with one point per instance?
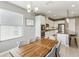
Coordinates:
(53, 9)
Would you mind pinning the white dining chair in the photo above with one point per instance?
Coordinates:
(31, 40)
(46, 37)
(52, 52)
(34, 39)
(57, 51)
(52, 38)
(38, 38)
(21, 43)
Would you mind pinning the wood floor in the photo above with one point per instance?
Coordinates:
(36, 49)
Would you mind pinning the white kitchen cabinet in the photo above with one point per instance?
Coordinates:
(42, 18)
(64, 38)
(49, 33)
(39, 20)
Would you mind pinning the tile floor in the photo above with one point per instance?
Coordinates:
(71, 51)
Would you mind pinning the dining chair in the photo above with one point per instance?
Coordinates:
(52, 52)
(34, 39)
(38, 38)
(21, 43)
(57, 51)
(74, 37)
(46, 37)
(52, 37)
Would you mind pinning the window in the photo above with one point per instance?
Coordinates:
(11, 25)
(10, 32)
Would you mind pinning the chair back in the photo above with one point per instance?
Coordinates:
(38, 38)
(20, 43)
(58, 49)
(52, 52)
(52, 37)
(58, 46)
(32, 40)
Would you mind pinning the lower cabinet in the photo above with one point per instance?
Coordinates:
(64, 38)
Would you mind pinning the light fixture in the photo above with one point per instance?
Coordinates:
(29, 8)
(67, 19)
(73, 5)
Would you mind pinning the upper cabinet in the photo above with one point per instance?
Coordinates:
(42, 20)
(39, 20)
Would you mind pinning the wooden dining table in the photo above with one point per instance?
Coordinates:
(38, 48)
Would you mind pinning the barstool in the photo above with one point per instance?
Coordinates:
(70, 36)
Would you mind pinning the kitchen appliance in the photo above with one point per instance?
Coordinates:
(42, 31)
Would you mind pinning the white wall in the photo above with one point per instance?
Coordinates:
(29, 32)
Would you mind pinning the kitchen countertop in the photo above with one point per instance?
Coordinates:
(50, 30)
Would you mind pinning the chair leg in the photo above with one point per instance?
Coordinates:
(11, 54)
(76, 42)
(69, 41)
(57, 53)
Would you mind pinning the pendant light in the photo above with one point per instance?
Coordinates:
(67, 19)
(30, 8)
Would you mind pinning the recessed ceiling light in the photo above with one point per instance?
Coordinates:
(54, 15)
(49, 11)
(67, 20)
(73, 5)
(28, 6)
(28, 11)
